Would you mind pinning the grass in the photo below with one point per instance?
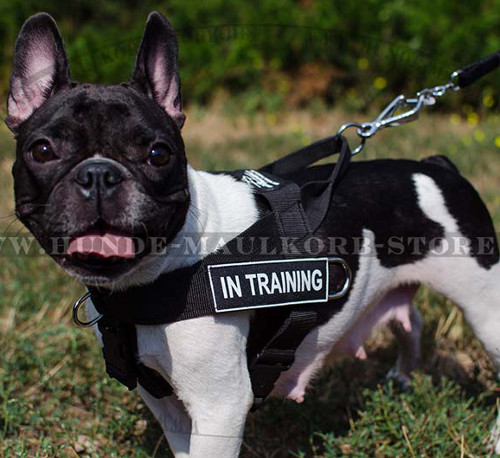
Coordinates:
(55, 399)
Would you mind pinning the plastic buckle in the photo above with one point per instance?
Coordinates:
(119, 354)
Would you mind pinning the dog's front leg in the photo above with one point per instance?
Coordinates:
(218, 420)
(205, 360)
(174, 420)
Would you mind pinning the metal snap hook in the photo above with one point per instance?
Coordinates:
(348, 278)
(76, 308)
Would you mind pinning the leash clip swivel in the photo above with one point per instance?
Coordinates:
(391, 115)
(76, 308)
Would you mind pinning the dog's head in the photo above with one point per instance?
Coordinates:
(101, 167)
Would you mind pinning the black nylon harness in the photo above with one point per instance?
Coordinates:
(290, 212)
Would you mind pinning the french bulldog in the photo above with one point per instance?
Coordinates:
(108, 163)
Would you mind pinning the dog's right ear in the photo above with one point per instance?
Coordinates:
(40, 68)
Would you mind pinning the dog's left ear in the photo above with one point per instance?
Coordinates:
(156, 71)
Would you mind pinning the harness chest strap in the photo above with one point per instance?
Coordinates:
(228, 280)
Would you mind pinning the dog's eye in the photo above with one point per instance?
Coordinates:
(159, 155)
(42, 152)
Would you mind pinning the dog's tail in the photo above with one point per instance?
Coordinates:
(443, 161)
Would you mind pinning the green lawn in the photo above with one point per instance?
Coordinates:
(55, 399)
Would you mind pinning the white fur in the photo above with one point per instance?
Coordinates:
(205, 360)
(220, 206)
(431, 201)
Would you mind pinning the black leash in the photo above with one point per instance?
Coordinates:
(471, 73)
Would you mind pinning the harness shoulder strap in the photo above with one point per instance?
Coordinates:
(278, 354)
(270, 358)
(120, 355)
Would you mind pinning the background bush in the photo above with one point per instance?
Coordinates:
(280, 52)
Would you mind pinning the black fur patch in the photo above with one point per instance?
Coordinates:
(380, 196)
(443, 161)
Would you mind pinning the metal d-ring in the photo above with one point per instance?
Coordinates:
(76, 309)
(362, 139)
(348, 278)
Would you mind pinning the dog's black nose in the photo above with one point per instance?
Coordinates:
(97, 177)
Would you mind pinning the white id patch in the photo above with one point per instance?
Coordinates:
(250, 285)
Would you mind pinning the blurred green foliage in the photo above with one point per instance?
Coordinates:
(280, 52)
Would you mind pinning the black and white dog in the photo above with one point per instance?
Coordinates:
(109, 162)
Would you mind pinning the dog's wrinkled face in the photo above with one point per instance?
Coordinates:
(101, 168)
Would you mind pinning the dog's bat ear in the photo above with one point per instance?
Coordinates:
(156, 71)
(40, 68)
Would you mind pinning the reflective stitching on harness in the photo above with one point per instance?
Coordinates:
(258, 180)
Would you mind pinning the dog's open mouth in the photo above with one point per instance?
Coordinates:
(106, 251)
(109, 247)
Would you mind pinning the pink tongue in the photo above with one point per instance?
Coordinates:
(106, 245)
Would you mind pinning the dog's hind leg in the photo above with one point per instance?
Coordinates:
(481, 308)
(476, 289)
(407, 332)
(395, 308)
